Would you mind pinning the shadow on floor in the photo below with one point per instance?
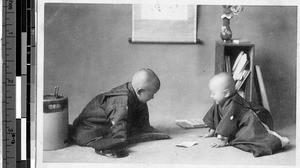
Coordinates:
(287, 148)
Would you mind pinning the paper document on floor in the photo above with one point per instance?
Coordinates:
(187, 144)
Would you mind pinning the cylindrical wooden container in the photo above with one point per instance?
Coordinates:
(55, 127)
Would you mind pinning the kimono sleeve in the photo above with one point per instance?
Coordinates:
(229, 123)
(118, 118)
(143, 120)
(211, 118)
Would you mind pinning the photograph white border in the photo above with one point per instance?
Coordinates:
(40, 4)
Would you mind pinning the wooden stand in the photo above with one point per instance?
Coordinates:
(232, 50)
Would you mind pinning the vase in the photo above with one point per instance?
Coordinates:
(226, 33)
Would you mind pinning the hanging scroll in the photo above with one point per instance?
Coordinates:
(164, 23)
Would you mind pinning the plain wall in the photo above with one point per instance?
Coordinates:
(87, 52)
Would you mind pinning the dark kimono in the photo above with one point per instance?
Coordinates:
(111, 118)
(241, 123)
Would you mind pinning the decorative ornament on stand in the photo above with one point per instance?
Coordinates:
(228, 12)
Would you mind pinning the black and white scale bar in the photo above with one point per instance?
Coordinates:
(21, 121)
(21, 82)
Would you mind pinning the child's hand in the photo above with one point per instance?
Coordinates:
(218, 145)
(222, 143)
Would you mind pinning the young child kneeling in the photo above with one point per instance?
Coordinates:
(235, 122)
(112, 120)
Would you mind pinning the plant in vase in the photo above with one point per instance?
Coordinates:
(228, 12)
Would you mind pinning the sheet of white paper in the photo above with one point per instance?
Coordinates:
(186, 144)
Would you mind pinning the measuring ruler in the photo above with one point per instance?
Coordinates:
(18, 54)
(9, 84)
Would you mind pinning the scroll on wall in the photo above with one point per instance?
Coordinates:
(164, 23)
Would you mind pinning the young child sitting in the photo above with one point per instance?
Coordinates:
(234, 121)
(112, 120)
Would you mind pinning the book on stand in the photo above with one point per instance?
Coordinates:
(241, 65)
(240, 82)
(238, 70)
(227, 64)
(237, 60)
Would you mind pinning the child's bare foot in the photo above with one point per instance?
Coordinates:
(284, 141)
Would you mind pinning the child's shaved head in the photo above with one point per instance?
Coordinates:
(145, 84)
(221, 86)
(145, 78)
(223, 81)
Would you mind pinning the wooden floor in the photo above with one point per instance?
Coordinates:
(165, 152)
